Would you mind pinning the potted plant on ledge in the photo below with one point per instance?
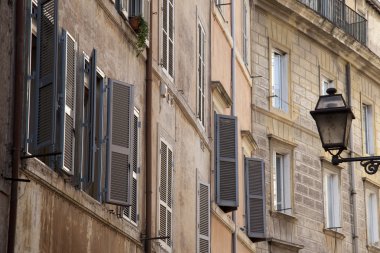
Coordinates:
(140, 26)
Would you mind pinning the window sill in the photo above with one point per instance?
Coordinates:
(283, 216)
(333, 233)
(373, 248)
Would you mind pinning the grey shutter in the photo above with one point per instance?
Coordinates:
(67, 102)
(204, 218)
(47, 65)
(131, 211)
(92, 120)
(226, 162)
(119, 143)
(255, 198)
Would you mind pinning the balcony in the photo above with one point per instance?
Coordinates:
(342, 16)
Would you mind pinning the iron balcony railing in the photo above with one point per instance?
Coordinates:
(342, 16)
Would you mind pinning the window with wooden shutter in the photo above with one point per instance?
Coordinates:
(46, 88)
(245, 32)
(67, 102)
(166, 191)
(131, 212)
(201, 75)
(203, 218)
(226, 162)
(168, 37)
(120, 143)
(255, 199)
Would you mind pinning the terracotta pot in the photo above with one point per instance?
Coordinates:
(134, 23)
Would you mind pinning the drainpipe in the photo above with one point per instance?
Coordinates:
(233, 107)
(148, 136)
(355, 246)
(17, 117)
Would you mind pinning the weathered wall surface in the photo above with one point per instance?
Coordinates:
(6, 118)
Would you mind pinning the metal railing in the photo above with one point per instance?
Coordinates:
(342, 16)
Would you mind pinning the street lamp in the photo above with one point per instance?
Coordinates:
(334, 118)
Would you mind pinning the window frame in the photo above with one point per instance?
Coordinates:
(328, 171)
(246, 32)
(372, 190)
(164, 70)
(201, 62)
(368, 122)
(286, 149)
(275, 47)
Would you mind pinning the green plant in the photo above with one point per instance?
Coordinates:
(142, 35)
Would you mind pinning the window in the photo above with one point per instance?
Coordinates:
(136, 8)
(325, 84)
(255, 198)
(122, 6)
(226, 162)
(203, 221)
(281, 183)
(166, 194)
(332, 200)
(201, 75)
(368, 132)
(131, 212)
(280, 95)
(246, 22)
(168, 37)
(372, 216)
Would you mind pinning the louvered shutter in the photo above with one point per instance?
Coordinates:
(47, 65)
(168, 36)
(120, 143)
(67, 102)
(203, 218)
(166, 179)
(255, 198)
(131, 211)
(226, 162)
(171, 39)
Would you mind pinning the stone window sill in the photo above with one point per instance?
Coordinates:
(334, 233)
(283, 216)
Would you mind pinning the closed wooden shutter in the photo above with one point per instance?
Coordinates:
(166, 191)
(203, 218)
(120, 143)
(68, 101)
(168, 36)
(226, 162)
(47, 65)
(255, 198)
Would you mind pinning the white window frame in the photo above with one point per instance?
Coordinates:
(164, 245)
(368, 132)
(141, 11)
(135, 175)
(280, 80)
(282, 182)
(325, 84)
(332, 199)
(124, 8)
(201, 70)
(372, 213)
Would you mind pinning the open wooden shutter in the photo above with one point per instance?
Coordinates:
(171, 38)
(203, 218)
(226, 162)
(255, 198)
(120, 143)
(47, 65)
(67, 102)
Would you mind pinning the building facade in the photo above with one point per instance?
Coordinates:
(190, 132)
